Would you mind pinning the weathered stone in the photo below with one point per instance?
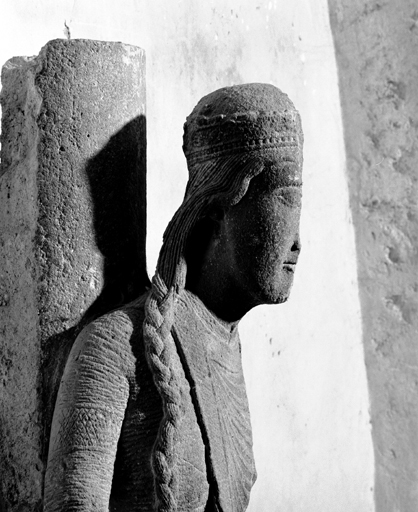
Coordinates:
(377, 45)
(72, 240)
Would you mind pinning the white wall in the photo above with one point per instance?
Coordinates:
(303, 360)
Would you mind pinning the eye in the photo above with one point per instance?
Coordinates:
(290, 196)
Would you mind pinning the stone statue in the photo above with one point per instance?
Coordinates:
(152, 411)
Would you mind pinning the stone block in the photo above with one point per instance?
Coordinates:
(72, 238)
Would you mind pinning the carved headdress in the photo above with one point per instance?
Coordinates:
(232, 135)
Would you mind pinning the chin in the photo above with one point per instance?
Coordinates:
(276, 293)
(281, 299)
(269, 296)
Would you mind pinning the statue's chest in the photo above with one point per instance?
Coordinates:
(210, 356)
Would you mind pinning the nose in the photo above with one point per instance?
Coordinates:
(296, 246)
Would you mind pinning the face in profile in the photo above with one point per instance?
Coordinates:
(260, 237)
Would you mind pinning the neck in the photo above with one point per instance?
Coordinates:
(216, 290)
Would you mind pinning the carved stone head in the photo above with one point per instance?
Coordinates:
(238, 226)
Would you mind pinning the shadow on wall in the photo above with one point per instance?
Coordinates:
(116, 179)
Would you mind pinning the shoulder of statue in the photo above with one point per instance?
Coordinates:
(116, 336)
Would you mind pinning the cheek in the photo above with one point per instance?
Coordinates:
(273, 236)
(260, 248)
(286, 227)
(262, 236)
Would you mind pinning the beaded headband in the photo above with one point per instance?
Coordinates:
(210, 138)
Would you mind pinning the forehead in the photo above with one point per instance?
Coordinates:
(277, 175)
(266, 192)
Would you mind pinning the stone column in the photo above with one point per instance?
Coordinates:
(376, 48)
(72, 237)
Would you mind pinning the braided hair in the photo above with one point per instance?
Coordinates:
(226, 140)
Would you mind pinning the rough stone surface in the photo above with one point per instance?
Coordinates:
(72, 240)
(377, 48)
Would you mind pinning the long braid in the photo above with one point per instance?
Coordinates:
(159, 311)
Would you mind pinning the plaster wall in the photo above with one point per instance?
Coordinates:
(377, 47)
(304, 360)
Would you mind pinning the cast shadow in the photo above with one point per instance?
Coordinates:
(116, 178)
